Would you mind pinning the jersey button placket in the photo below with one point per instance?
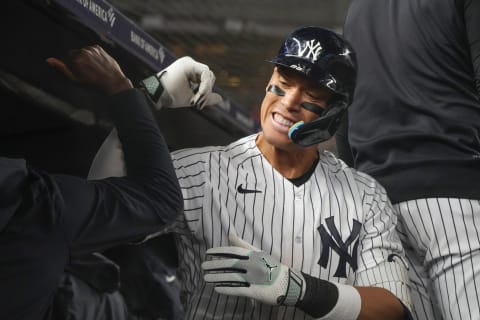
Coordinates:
(298, 229)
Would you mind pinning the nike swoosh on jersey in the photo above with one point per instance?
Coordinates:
(240, 189)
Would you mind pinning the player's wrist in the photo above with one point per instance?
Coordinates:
(337, 301)
(348, 306)
(117, 85)
(154, 87)
(295, 290)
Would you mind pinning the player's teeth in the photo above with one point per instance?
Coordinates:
(278, 118)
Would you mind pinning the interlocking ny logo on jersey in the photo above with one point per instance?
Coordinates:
(310, 50)
(333, 241)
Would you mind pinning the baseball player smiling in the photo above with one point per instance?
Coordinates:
(275, 228)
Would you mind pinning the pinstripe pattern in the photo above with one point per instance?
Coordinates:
(442, 241)
(282, 220)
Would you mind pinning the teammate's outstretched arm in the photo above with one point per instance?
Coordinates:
(184, 83)
(243, 270)
(101, 214)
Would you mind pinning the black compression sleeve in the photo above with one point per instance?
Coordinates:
(320, 297)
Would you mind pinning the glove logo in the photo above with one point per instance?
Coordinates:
(334, 241)
(269, 268)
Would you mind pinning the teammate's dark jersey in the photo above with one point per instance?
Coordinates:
(414, 124)
(45, 219)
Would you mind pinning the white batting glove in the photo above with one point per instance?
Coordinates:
(246, 271)
(173, 87)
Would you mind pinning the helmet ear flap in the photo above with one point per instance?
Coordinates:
(321, 129)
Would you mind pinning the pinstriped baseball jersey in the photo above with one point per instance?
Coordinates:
(338, 225)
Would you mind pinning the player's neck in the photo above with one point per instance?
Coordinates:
(290, 163)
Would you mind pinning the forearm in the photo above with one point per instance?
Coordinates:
(379, 303)
(142, 142)
(326, 300)
(146, 155)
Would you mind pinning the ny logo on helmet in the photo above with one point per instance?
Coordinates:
(310, 50)
(334, 242)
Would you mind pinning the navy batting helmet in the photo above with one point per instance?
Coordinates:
(328, 59)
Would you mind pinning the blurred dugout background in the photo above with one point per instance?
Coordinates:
(58, 126)
(234, 37)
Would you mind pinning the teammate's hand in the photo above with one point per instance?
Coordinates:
(243, 270)
(94, 67)
(173, 87)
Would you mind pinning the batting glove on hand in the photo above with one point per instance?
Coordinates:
(173, 87)
(244, 270)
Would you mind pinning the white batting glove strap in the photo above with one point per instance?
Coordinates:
(348, 305)
(173, 86)
(254, 274)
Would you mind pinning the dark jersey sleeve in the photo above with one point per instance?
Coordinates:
(471, 15)
(102, 213)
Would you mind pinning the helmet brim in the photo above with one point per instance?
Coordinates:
(312, 72)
